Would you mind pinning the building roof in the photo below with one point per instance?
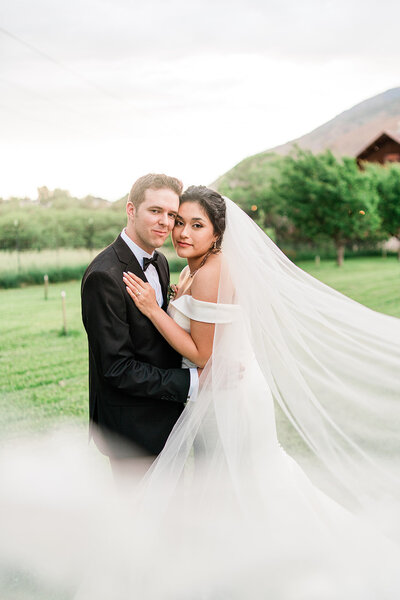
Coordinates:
(377, 142)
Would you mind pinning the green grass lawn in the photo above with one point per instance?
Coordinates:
(46, 259)
(374, 282)
(43, 374)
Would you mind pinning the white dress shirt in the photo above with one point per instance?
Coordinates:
(151, 272)
(153, 279)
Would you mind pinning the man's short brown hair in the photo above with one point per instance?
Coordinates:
(154, 181)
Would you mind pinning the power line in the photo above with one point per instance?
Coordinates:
(23, 113)
(42, 97)
(62, 66)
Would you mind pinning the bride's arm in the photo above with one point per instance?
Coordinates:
(196, 346)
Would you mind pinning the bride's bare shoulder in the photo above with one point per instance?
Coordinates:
(183, 275)
(206, 281)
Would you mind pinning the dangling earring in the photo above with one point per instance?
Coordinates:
(214, 246)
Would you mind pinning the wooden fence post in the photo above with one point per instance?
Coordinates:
(64, 312)
(46, 286)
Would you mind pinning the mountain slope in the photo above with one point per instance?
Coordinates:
(346, 134)
(351, 130)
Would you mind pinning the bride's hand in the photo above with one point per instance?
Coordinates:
(141, 293)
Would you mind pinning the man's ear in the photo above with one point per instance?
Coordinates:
(130, 210)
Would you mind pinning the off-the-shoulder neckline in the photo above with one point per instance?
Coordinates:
(194, 300)
(220, 304)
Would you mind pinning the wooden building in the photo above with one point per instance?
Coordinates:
(383, 149)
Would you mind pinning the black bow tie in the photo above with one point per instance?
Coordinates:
(150, 261)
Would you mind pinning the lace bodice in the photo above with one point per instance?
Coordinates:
(186, 308)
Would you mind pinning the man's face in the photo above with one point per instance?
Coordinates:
(150, 224)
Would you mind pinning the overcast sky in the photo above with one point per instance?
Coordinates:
(95, 93)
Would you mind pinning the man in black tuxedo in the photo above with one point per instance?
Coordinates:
(137, 389)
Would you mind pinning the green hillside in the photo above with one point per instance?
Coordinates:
(247, 182)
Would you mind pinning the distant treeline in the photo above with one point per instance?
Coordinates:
(310, 204)
(57, 220)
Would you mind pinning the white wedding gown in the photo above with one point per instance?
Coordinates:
(285, 538)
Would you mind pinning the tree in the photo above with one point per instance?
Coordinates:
(59, 220)
(327, 198)
(388, 185)
(88, 234)
(248, 184)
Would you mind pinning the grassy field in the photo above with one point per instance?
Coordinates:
(65, 264)
(10, 262)
(46, 259)
(29, 268)
(374, 282)
(43, 374)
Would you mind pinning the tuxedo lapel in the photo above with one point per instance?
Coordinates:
(127, 258)
(164, 277)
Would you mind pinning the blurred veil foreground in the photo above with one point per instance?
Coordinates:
(227, 510)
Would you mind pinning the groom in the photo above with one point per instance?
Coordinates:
(137, 389)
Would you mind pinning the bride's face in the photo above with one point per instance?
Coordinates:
(193, 234)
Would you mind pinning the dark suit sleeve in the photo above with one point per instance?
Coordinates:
(105, 320)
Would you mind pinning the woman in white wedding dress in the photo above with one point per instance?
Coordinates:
(269, 333)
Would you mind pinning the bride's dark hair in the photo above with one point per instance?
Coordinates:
(212, 203)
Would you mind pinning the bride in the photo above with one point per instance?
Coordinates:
(278, 348)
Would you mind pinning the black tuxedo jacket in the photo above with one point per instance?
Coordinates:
(137, 389)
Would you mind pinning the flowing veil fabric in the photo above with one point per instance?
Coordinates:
(331, 367)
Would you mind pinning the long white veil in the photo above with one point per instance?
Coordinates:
(331, 365)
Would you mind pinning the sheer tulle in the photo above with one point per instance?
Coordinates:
(331, 364)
